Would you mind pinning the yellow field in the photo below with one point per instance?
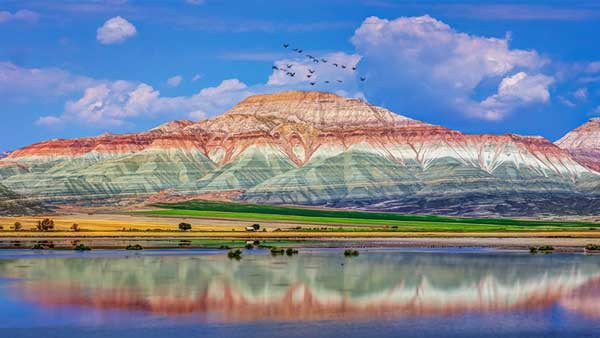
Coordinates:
(124, 225)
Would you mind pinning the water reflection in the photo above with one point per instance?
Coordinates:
(317, 285)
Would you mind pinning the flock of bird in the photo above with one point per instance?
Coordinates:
(289, 71)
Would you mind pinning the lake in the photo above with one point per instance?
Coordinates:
(384, 292)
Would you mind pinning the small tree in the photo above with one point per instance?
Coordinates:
(185, 226)
(75, 227)
(256, 226)
(18, 226)
(45, 225)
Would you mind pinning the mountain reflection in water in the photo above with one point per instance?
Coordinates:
(311, 286)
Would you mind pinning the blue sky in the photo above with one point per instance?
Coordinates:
(76, 68)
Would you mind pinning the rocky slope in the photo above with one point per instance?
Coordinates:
(312, 148)
(583, 143)
(13, 204)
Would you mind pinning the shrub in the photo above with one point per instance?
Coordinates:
(185, 226)
(249, 246)
(351, 253)
(546, 248)
(18, 226)
(82, 247)
(291, 251)
(134, 247)
(592, 247)
(45, 225)
(533, 249)
(75, 227)
(224, 247)
(277, 251)
(235, 254)
(256, 226)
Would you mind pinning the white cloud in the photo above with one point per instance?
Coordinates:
(17, 82)
(121, 102)
(174, 81)
(49, 121)
(196, 77)
(20, 15)
(115, 30)
(195, 2)
(517, 90)
(581, 94)
(429, 62)
(596, 111)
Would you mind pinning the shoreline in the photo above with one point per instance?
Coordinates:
(561, 244)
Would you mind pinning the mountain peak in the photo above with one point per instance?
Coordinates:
(320, 109)
(583, 143)
(172, 126)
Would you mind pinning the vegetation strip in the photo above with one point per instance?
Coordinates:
(202, 208)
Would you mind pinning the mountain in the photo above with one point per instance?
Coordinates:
(4, 154)
(312, 148)
(583, 143)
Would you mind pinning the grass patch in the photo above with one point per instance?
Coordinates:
(378, 221)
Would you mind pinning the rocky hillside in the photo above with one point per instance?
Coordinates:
(583, 143)
(312, 148)
(13, 204)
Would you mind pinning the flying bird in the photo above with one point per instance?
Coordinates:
(286, 45)
(310, 56)
(312, 83)
(289, 66)
(291, 74)
(299, 50)
(315, 61)
(275, 68)
(335, 64)
(362, 78)
(326, 81)
(344, 67)
(295, 49)
(312, 71)
(308, 75)
(340, 81)
(354, 68)
(323, 60)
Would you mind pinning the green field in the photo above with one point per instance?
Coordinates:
(357, 220)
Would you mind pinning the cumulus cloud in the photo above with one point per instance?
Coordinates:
(115, 30)
(20, 15)
(196, 77)
(516, 90)
(423, 58)
(195, 2)
(174, 81)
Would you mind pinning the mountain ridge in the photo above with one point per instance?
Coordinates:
(306, 148)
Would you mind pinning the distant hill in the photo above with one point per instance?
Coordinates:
(315, 148)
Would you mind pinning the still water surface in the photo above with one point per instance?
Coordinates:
(318, 293)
